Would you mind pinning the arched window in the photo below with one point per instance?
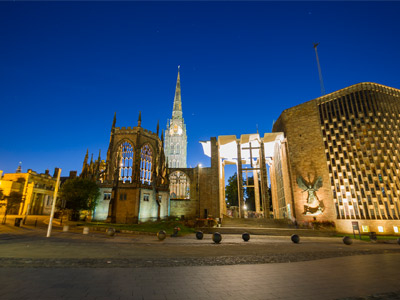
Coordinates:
(172, 149)
(177, 149)
(179, 185)
(146, 157)
(125, 153)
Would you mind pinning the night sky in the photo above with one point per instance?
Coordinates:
(66, 67)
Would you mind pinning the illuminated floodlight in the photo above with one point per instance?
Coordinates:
(380, 228)
(245, 207)
(396, 229)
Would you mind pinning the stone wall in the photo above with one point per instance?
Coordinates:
(388, 226)
(306, 157)
(101, 211)
(148, 209)
(126, 210)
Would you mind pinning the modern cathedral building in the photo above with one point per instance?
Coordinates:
(339, 159)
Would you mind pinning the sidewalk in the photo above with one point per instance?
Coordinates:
(71, 265)
(331, 278)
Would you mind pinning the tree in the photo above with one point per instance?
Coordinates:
(80, 194)
(231, 191)
(13, 202)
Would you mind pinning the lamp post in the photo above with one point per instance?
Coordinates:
(54, 204)
(198, 186)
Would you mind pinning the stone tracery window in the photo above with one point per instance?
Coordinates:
(146, 156)
(179, 186)
(126, 154)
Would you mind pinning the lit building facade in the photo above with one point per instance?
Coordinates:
(339, 160)
(134, 182)
(37, 191)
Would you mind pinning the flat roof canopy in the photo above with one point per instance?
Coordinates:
(228, 145)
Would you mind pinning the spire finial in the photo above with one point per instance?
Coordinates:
(177, 110)
(139, 122)
(19, 168)
(114, 120)
(158, 126)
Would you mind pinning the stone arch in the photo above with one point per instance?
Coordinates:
(179, 185)
(125, 160)
(146, 163)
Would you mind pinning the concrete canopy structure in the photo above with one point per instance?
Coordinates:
(250, 153)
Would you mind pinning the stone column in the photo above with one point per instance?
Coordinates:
(256, 190)
(240, 179)
(264, 181)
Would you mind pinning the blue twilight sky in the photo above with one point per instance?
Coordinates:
(65, 67)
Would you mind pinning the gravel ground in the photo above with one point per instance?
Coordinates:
(172, 262)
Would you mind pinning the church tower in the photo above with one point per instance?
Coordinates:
(175, 136)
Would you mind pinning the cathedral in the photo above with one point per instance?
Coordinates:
(133, 180)
(332, 159)
(175, 135)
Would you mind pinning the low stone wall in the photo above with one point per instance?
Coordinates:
(388, 227)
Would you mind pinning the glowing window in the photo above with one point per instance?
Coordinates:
(179, 185)
(396, 229)
(365, 228)
(146, 156)
(380, 228)
(125, 153)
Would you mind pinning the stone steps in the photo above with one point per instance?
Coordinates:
(269, 231)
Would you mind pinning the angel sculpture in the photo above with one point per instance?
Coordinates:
(313, 206)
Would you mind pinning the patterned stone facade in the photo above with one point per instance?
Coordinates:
(349, 138)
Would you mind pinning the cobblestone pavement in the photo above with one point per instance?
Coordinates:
(76, 266)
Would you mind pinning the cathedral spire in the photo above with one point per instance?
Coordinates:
(177, 110)
(114, 120)
(139, 121)
(85, 164)
(158, 127)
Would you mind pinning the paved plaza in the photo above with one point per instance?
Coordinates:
(70, 265)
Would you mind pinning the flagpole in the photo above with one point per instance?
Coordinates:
(53, 207)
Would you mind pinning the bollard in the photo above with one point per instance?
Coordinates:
(176, 232)
(110, 231)
(347, 240)
(161, 235)
(398, 241)
(372, 236)
(295, 238)
(246, 237)
(36, 222)
(85, 230)
(217, 237)
(65, 228)
(199, 235)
